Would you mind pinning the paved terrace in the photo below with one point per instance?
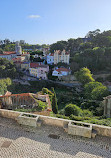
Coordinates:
(23, 142)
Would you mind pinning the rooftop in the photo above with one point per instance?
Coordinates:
(8, 53)
(22, 94)
(36, 65)
(63, 69)
(60, 52)
(24, 142)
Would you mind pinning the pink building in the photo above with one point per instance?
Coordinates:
(43, 71)
(39, 71)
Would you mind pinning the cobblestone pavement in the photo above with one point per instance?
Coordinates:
(25, 142)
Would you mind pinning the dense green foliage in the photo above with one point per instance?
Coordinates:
(99, 92)
(46, 91)
(72, 109)
(93, 51)
(7, 68)
(84, 76)
(54, 102)
(95, 90)
(88, 88)
(41, 105)
(4, 84)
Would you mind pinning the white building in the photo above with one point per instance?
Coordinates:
(50, 59)
(61, 72)
(8, 55)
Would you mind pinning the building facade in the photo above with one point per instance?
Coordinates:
(39, 71)
(107, 106)
(61, 56)
(50, 59)
(61, 72)
(25, 65)
(8, 55)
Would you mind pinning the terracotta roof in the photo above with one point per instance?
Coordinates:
(63, 69)
(22, 94)
(16, 59)
(34, 65)
(60, 52)
(8, 53)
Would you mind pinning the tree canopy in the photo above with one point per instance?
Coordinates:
(84, 76)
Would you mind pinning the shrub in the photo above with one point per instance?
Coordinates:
(72, 109)
(89, 88)
(99, 92)
(41, 105)
(100, 79)
(108, 78)
(45, 90)
(90, 104)
(62, 116)
(62, 111)
(99, 110)
(105, 122)
(87, 113)
(78, 118)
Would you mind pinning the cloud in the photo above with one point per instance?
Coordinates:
(33, 16)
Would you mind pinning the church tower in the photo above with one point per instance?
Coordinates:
(18, 48)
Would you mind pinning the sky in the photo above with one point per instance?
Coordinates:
(48, 21)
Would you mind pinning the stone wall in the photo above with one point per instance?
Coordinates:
(9, 113)
(101, 130)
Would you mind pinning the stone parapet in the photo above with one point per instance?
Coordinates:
(70, 126)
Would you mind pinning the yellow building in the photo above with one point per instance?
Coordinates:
(61, 56)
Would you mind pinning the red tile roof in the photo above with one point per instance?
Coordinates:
(63, 69)
(8, 53)
(16, 59)
(34, 65)
(22, 94)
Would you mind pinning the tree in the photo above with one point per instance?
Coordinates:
(92, 34)
(88, 88)
(4, 85)
(99, 92)
(84, 76)
(54, 102)
(59, 45)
